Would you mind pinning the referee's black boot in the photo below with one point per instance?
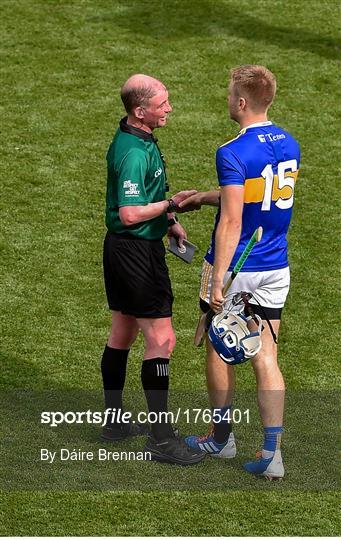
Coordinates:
(173, 450)
(119, 432)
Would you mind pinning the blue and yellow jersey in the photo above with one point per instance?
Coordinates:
(265, 159)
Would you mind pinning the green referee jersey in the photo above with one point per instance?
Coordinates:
(136, 176)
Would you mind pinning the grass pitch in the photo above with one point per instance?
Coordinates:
(63, 63)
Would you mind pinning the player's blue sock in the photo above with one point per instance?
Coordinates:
(272, 441)
(222, 423)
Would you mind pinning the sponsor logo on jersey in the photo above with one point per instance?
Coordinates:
(270, 137)
(158, 172)
(131, 188)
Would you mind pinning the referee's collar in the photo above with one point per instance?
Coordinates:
(127, 128)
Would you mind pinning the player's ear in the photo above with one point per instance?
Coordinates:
(242, 103)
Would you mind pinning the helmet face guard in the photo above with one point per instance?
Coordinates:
(230, 336)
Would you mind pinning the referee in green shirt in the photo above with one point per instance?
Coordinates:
(137, 283)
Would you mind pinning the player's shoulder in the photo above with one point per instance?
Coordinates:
(274, 133)
(231, 162)
(278, 130)
(289, 143)
(233, 151)
(230, 144)
(237, 144)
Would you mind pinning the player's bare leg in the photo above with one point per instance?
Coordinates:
(270, 382)
(220, 379)
(270, 394)
(220, 384)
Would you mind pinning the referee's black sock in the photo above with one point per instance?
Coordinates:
(113, 366)
(155, 382)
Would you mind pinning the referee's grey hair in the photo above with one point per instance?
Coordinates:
(137, 96)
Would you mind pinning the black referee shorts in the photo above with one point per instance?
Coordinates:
(136, 276)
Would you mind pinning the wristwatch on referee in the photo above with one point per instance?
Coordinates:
(171, 206)
(172, 221)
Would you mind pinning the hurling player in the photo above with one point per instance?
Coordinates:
(256, 172)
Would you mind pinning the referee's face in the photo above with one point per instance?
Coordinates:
(157, 110)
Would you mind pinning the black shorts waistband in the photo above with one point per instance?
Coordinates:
(128, 236)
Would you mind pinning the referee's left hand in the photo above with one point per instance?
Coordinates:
(178, 232)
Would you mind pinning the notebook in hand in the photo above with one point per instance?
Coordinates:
(185, 253)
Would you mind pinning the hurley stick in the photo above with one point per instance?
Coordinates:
(206, 318)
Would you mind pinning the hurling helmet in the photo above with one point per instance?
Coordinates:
(229, 333)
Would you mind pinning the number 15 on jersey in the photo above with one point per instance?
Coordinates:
(284, 179)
